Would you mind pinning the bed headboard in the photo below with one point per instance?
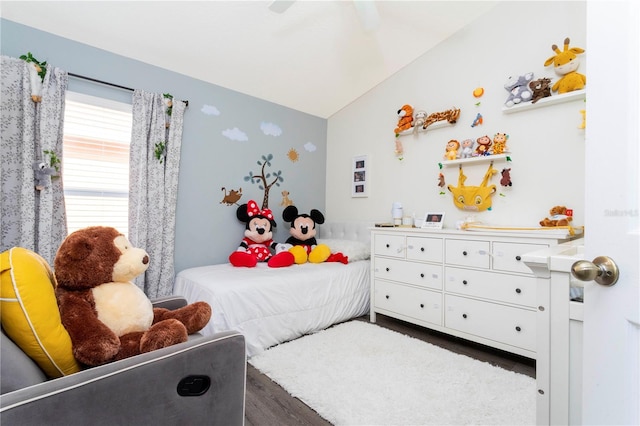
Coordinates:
(356, 231)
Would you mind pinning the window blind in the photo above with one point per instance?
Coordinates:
(97, 135)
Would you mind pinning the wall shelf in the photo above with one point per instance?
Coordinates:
(483, 159)
(550, 100)
(434, 126)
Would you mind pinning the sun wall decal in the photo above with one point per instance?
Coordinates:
(293, 155)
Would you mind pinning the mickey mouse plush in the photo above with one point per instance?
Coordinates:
(258, 241)
(303, 236)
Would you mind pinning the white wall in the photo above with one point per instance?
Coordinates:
(547, 148)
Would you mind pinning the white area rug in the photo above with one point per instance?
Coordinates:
(358, 373)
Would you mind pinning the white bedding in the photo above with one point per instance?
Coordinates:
(274, 305)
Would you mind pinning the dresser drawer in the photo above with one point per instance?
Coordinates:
(504, 324)
(467, 253)
(424, 249)
(514, 289)
(508, 256)
(421, 274)
(389, 245)
(424, 305)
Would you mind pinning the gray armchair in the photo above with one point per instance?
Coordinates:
(199, 382)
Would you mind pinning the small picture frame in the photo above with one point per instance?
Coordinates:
(433, 220)
(360, 179)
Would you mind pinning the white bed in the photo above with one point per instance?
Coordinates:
(274, 305)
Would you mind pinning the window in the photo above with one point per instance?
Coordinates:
(97, 135)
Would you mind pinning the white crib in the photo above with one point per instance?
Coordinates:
(559, 334)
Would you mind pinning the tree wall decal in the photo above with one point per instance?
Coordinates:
(265, 180)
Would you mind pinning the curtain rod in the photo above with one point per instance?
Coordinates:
(106, 83)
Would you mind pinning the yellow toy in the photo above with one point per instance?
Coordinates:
(474, 198)
(583, 124)
(500, 143)
(451, 152)
(565, 64)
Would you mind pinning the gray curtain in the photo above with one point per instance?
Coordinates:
(30, 218)
(153, 187)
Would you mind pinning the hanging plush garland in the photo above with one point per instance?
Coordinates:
(37, 71)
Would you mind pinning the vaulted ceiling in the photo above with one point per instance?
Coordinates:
(315, 56)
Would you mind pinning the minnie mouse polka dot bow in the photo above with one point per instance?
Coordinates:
(253, 210)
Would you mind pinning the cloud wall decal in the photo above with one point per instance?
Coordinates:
(210, 110)
(235, 134)
(270, 129)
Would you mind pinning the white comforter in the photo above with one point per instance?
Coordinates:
(274, 305)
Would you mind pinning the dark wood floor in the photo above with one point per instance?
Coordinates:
(267, 404)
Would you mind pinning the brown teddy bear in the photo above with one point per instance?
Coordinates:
(405, 119)
(558, 217)
(541, 89)
(107, 316)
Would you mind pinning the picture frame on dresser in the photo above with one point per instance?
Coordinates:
(359, 177)
(433, 220)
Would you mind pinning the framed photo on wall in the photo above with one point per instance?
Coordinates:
(433, 220)
(360, 178)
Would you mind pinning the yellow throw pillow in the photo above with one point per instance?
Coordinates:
(29, 312)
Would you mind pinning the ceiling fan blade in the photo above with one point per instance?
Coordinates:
(367, 14)
(280, 6)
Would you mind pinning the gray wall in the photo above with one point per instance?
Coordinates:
(206, 230)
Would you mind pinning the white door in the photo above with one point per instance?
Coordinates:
(611, 355)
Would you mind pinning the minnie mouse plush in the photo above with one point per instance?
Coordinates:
(303, 237)
(258, 241)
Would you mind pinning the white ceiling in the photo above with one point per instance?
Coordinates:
(315, 57)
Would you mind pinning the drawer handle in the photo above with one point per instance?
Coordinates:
(518, 258)
(464, 253)
(518, 328)
(387, 245)
(387, 296)
(422, 305)
(421, 275)
(421, 248)
(464, 315)
(518, 291)
(386, 269)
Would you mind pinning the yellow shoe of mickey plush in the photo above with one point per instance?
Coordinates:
(320, 253)
(299, 254)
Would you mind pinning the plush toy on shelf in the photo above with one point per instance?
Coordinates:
(419, 120)
(257, 244)
(107, 316)
(451, 152)
(558, 216)
(541, 89)
(565, 63)
(499, 143)
(518, 88)
(405, 119)
(484, 146)
(467, 148)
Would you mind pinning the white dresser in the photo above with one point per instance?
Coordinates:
(470, 284)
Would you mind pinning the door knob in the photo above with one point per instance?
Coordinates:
(602, 270)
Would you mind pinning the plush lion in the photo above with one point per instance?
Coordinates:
(558, 217)
(107, 316)
(405, 119)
